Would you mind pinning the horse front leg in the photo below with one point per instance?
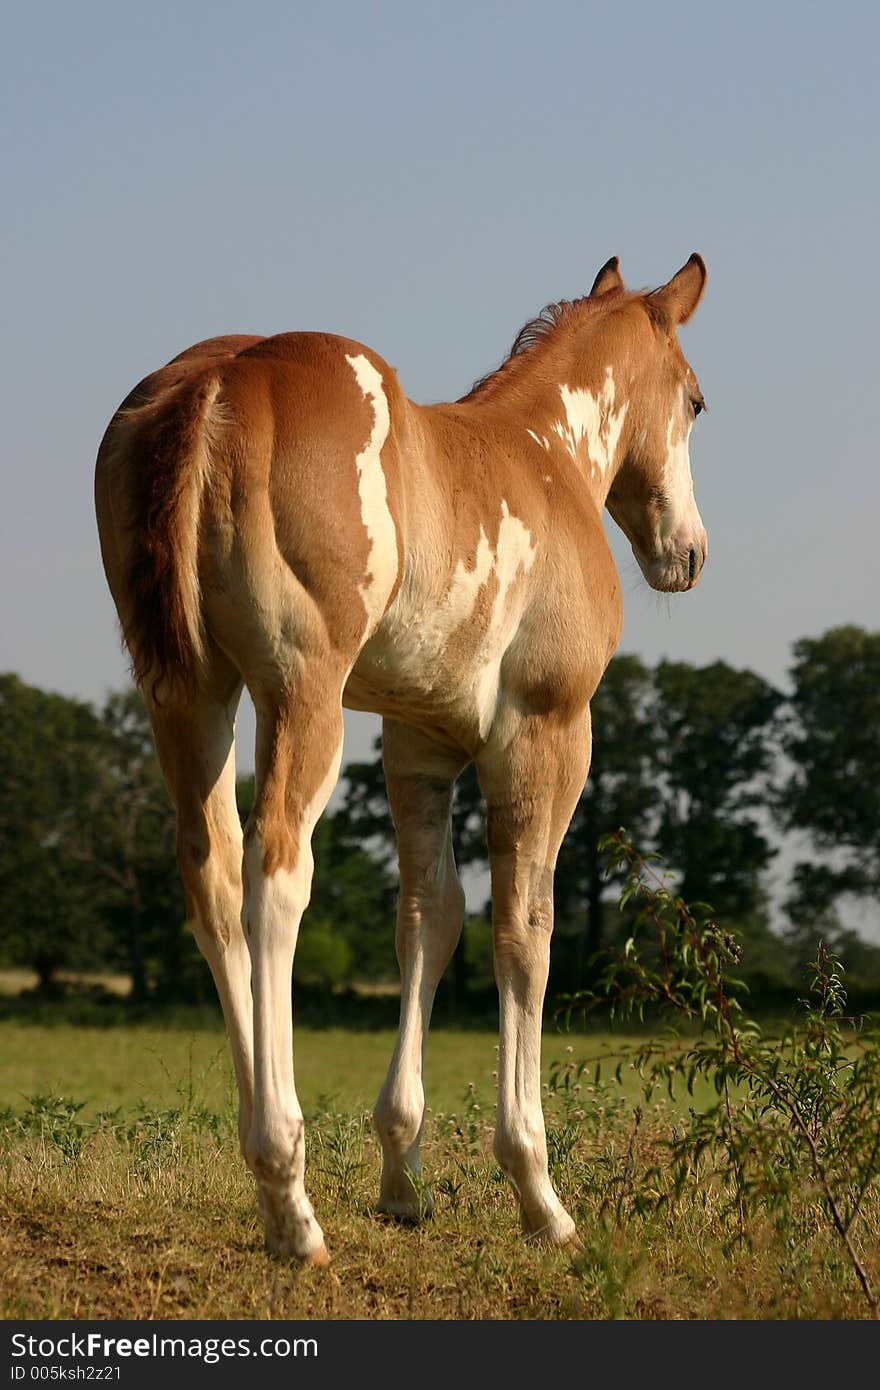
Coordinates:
(420, 775)
(531, 786)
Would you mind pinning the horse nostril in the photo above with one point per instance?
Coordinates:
(692, 563)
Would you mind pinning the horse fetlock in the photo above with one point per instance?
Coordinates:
(522, 1153)
(398, 1120)
(523, 1156)
(290, 1225)
(275, 1157)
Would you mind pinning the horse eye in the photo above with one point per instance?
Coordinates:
(697, 405)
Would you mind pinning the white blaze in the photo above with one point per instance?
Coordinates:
(591, 428)
(375, 513)
(678, 484)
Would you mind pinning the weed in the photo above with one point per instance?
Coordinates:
(336, 1141)
(793, 1136)
(54, 1119)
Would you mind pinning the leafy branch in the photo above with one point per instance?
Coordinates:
(802, 1109)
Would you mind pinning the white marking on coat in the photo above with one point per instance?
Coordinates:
(514, 556)
(591, 429)
(273, 906)
(678, 483)
(382, 560)
(407, 651)
(540, 439)
(520, 1139)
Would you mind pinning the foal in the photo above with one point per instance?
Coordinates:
(276, 512)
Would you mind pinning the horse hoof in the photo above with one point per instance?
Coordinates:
(406, 1213)
(283, 1247)
(558, 1233)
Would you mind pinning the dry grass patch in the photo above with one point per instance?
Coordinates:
(150, 1214)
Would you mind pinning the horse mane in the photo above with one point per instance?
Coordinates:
(534, 333)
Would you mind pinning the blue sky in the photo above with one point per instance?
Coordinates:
(425, 178)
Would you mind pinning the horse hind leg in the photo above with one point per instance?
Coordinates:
(420, 775)
(196, 747)
(299, 747)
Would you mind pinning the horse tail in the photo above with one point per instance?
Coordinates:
(150, 478)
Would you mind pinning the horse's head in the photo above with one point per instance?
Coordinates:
(652, 496)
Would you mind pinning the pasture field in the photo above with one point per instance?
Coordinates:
(122, 1193)
(127, 1065)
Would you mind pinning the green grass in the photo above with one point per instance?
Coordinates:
(123, 1066)
(148, 1211)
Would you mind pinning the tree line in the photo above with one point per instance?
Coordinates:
(711, 767)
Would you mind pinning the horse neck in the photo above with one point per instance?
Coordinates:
(568, 394)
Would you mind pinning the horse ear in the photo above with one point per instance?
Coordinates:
(609, 278)
(678, 298)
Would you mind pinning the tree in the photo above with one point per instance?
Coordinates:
(133, 849)
(620, 791)
(716, 756)
(88, 870)
(365, 819)
(347, 931)
(366, 816)
(833, 792)
(50, 773)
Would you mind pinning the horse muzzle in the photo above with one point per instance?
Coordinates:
(678, 566)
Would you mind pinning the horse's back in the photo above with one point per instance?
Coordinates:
(309, 507)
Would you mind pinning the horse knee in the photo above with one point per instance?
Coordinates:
(521, 1147)
(522, 946)
(435, 901)
(453, 899)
